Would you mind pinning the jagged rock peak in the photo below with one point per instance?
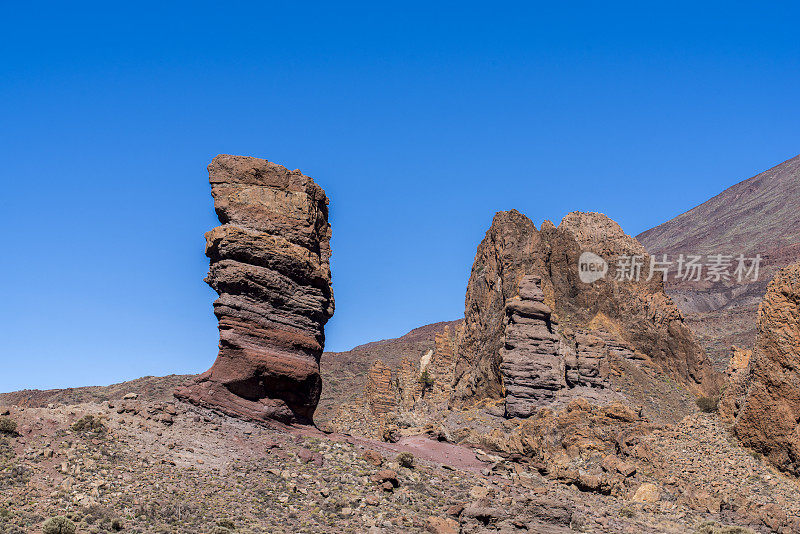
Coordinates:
(636, 317)
(270, 265)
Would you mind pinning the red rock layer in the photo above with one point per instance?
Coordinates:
(270, 266)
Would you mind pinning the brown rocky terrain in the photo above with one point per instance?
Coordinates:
(159, 466)
(344, 374)
(406, 398)
(586, 374)
(759, 215)
(149, 388)
(528, 316)
(763, 399)
(270, 264)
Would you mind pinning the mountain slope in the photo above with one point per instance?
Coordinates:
(760, 215)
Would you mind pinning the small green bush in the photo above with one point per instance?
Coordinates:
(226, 523)
(627, 512)
(708, 404)
(88, 423)
(426, 379)
(8, 426)
(405, 459)
(58, 525)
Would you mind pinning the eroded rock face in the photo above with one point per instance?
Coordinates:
(767, 415)
(378, 392)
(532, 355)
(270, 266)
(532, 327)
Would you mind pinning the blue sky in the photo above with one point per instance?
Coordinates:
(420, 120)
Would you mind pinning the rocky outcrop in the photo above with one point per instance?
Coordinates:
(378, 392)
(409, 382)
(587, 365)
(503, 257)
(440, 364)
(516, 341)
(767, 415)
(270, 266)
(401, 397)
(738, 378)
(532, 361)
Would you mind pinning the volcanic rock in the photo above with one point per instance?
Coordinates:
(525, 297)
(270, 265)
(768, 416)
(532, 363)
(378, 392)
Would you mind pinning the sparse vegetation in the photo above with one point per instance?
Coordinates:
(406, 459)
(226, 523)
(627, 512)
(8, 425)
(58, 525)
(426, 380)
(89, 423)
(710, 527)
(755, 454)
(708, 404)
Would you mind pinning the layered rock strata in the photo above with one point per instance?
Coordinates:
(509, 344)
(587, 365)
(532, 361)
(270, 266)
(763, 397)
(378, 392)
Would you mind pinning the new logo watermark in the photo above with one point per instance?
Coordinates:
(688, 268)
(591, 267)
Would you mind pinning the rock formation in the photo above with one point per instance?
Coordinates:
(270, 265)
(532, 361)
(524, 340)
(738, 377)
(767, 415)
(409, 384)
(404, 398)
(588, 364)
(378, 392)
(439, 365)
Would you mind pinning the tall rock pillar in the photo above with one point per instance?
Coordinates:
(270, 264)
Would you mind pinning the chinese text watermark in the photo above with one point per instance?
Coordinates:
(684, 267)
